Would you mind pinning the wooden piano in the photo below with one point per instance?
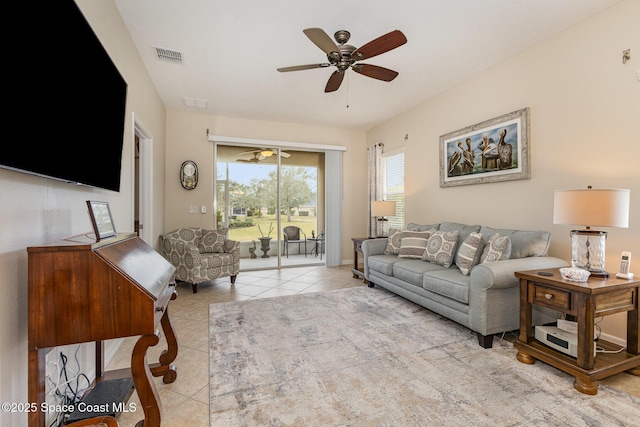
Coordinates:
(82, 291)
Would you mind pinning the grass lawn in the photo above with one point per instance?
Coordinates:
(243, 234)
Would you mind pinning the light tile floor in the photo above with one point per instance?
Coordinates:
(186, 401)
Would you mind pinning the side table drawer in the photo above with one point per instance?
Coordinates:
(550, 297)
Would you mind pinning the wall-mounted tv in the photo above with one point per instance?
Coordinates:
(69, 93)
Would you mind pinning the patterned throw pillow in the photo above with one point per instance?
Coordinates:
(390, 249)
(412, 247)
(213, 240)
(440, 247)
(395, 239)
(469, 253)
(498, 247)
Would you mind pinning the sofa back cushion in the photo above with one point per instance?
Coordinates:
(420, 227)
(523, 243)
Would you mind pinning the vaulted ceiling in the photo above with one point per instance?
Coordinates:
(221, 57)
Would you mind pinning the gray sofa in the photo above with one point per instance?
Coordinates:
(460, 272)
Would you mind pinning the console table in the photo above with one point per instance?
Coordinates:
(584, 301)
(82, 291)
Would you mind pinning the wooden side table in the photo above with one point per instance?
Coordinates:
(584, 301)
(357, 248)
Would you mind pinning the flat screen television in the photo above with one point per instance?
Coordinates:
(69, 93)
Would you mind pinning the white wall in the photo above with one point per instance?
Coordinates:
(585, 130)
(36, 210)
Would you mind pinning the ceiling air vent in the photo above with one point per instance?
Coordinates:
(169, 55)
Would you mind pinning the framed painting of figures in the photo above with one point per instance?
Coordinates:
(492, 151)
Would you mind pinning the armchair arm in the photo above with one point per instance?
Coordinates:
(232, 246)
(501, 274)
(172, 245)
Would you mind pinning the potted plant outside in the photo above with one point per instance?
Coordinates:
(265, 241)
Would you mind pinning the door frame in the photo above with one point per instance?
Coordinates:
(333, 184)
(144, 189)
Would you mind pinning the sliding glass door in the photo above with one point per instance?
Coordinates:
(272, 201)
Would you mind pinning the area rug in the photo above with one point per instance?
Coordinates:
(365, 357)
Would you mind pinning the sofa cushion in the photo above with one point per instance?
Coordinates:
(523, 243)
(382, 263)
(412, 247)
(213, 240)
(395, 240)
(498, 247)
(412, 271)
(418, 227)
(469, 252)
(463, 229)
(448, 283)
(440, 247)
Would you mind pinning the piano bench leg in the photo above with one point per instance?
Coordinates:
(233, 279)
(194, 286)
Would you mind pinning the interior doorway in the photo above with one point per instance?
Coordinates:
(143, 183)
(260, 192)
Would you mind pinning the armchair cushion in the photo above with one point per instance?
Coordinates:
(212, 241)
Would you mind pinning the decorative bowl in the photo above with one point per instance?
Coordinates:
(574, 274)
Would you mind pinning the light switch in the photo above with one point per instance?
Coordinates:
(193, 209)
(203, 209)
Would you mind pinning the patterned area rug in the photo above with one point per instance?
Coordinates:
(365, 357)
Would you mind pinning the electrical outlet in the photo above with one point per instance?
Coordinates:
(193, 209)
(203, 209)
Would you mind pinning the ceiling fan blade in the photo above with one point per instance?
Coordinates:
(380, 45)
(322, 40)
(375, 72)
(334, 81)
(303, 67)
(285, 155)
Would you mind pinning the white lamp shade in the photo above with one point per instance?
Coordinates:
(383, 208)
(592, 207)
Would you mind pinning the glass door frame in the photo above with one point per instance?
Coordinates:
(278, 209)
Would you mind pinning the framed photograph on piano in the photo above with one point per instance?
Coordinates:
(101, 219)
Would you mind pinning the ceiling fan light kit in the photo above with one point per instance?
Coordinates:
(261, 154)
(344, 56)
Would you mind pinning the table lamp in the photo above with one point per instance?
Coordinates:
(382, 209)
(591, 207)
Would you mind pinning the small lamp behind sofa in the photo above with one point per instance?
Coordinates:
(382, 209)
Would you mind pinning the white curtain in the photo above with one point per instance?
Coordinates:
(376, 184)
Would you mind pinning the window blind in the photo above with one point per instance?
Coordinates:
(393, 167)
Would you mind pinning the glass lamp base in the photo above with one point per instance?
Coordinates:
(587, 251)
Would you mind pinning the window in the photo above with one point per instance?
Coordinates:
(393, 181)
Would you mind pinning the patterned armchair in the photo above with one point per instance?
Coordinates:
(201, 255)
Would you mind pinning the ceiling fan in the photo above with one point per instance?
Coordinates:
(261, 154)
(344, 56)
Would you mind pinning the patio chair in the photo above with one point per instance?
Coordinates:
(293, 234)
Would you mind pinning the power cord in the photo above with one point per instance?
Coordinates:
(68, 391)
(597, 337)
